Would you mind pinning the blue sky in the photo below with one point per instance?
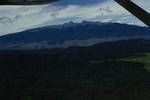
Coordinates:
(19, 18)
(79, 2)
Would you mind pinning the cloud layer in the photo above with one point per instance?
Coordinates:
(19, 18)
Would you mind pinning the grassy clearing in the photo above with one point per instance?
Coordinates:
(145, 59)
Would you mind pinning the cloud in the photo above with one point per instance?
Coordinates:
(19, 18)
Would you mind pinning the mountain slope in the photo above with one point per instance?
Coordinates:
(71, 34)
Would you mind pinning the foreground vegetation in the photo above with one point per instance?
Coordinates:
(109, 71)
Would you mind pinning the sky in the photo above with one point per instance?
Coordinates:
(19, 18)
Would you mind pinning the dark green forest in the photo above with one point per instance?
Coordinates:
(106, 71)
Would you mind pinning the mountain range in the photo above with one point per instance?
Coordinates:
(72, 34)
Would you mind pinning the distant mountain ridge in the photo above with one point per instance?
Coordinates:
(72, 34)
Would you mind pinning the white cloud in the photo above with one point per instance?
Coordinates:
(19, 18)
